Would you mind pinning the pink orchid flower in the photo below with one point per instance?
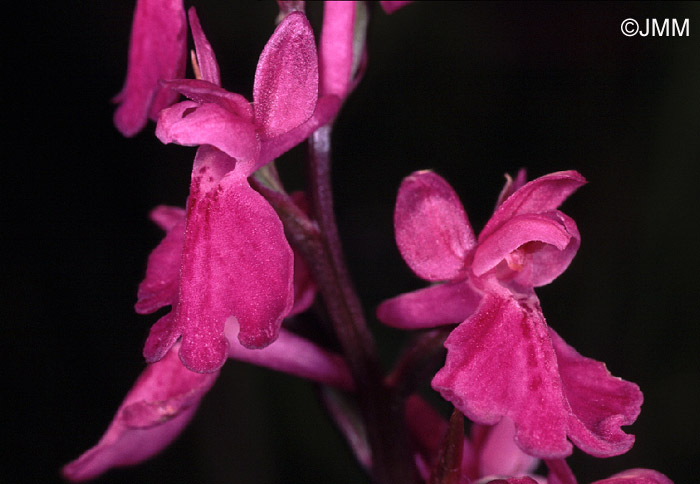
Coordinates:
(166, 396)
(235, 258)
(342, 49)
(503, 360)
(337, 49)
(157, 51)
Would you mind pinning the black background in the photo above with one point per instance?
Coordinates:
(470, 90)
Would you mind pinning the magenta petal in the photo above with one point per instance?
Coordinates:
(236, 262)
(159, 287)
(155, 411)
(157, 51)
(336, 48)
(636, 476)
(190, 124)
(600, 403)
(539, 246)
(262, 265)
(294, 355)
(448, 303)
(205, 92)
(544, 194)
(500, 362)
(208, 67)
(270, 149)
(432, 230)
(500, 456)
(285, 90)
(162, 336)
(167, 217)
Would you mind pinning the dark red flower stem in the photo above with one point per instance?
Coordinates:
(382, 411)
(448, 469)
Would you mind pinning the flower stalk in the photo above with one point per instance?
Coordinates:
(382, 413)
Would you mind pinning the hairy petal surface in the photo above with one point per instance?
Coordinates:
(155, 411)
(536, 248)
(541, 195)
(600, 403)
(157, 51)
(285, 90)
(236, 262)
(202, 91)
(167, 217)
(500, 456)
(448, 303)
(432, 229)
(159, 287)
(162, 336)
(500, 362)
(336, 48)
(326, 109)
(190, 124)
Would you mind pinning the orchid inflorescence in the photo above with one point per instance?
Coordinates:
(244, 255)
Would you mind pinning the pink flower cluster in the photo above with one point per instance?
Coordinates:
(230, 277)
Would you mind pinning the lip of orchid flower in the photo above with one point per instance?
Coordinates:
(159, 406)
(166, 396)
(234, 260)
(157, 51)
(502, 360)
